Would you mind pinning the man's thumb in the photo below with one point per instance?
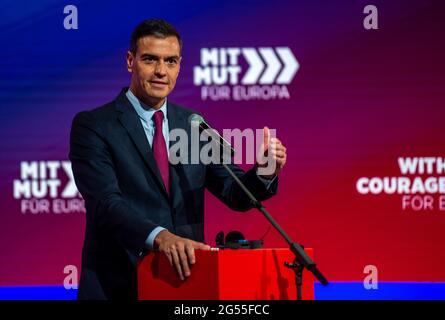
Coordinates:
(266, 135)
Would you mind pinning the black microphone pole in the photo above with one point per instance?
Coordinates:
(302, 260)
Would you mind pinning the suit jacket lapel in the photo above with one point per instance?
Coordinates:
(132, 124)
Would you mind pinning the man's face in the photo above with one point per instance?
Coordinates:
(154, 69)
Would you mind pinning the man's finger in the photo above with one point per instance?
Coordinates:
(190, 251)
(201, 246)
(274, 146)
(169, 257)
(184, 262)
(177, 264)
(279, 153)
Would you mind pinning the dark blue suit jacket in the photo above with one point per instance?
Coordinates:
(125, 199)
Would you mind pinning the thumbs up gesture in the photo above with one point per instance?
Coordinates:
(271, 156)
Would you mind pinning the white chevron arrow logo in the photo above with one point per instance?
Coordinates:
(273, 65)
(256, 66)
(291, 65)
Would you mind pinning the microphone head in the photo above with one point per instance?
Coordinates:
(198, 121)
(196, 118)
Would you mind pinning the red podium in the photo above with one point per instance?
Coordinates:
(257, 274)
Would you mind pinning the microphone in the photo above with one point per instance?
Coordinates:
(196, 119)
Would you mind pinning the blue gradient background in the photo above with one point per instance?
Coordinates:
(360, 100)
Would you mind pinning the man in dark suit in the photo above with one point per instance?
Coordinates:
(135, 199)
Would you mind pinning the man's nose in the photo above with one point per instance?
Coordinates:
(160, 70)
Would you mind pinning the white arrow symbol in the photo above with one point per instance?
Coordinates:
(291, 65)
(273, 65)
(70, 190)
(256, 66)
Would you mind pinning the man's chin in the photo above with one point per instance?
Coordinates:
(153, 98)
(160, 94)
(156, 94)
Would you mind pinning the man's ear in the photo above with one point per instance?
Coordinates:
(130, 61)
(179, 63)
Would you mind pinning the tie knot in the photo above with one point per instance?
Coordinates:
(158, 116)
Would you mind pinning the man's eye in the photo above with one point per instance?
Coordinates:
(171, 61)
(148, 59)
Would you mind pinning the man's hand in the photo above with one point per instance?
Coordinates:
(180, 252)
(271, 156)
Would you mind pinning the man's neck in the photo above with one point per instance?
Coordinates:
(155, 103)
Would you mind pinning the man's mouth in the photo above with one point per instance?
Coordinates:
(157, 83)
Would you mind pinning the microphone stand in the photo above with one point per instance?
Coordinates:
(301, 260)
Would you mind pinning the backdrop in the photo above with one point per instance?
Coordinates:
(355, 93)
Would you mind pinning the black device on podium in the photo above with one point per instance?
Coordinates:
(236, 240)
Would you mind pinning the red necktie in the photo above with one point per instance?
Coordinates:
(160, 150)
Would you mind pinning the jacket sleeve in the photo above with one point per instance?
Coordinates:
(96, 180)
(221, 184)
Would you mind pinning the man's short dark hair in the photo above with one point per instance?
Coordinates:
(153, 27)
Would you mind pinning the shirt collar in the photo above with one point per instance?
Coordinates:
(145, 112)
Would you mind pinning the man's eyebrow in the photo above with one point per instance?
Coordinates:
(148, 55)
(172, 57)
